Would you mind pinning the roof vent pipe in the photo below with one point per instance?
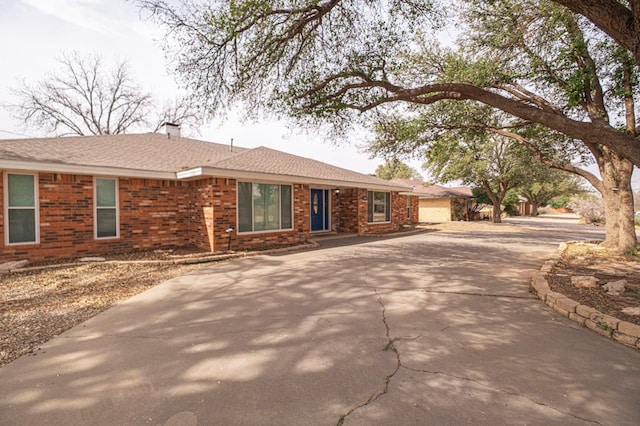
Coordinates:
(170, 129)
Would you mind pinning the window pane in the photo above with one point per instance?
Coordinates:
(244, 207)
(285, 203)
(261, 207)
(273, 211)
(260, 197)
(106, 192)
(266, 207)
(387, 206)
(106, 223)
(369, 206)
(22, 226)
(379, 206)
(21, 190)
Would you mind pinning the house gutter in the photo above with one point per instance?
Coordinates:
(36, 166)
(199, 172)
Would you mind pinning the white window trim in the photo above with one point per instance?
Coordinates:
(95, 208)
(267, 231)
(36, 202)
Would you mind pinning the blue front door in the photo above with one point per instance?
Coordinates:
(317, 210)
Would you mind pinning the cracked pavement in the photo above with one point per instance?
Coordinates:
(429, 328)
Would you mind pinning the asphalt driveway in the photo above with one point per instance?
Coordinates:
(431, 328)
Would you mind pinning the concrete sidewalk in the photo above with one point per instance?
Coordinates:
(432, 328)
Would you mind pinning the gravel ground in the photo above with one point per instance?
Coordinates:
(591, 260)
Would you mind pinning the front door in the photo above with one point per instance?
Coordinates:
(318, 203)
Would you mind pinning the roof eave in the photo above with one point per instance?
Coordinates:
(198, 172)
(37, 166)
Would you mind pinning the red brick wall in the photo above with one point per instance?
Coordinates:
(201, 214)
(415, 209)
(153, 214)
(401, 205)
(346, 216)
(162, 214)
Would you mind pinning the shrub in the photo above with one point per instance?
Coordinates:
(559, 202)
(590, 209)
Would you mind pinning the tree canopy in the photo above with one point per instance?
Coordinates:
(619, 19)
(86, 97)
(341, 62)
(331, 61)
(394, 168)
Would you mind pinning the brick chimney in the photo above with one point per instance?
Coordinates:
(170, 129)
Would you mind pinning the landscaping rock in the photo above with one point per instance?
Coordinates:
(614, 288)
(631, 311)
(92, 259)
(16, 264)
(582, 281)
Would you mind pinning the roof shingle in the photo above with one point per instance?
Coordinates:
(155, 152)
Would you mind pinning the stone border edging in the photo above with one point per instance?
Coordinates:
(621, 331)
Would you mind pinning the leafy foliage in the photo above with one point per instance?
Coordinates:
(547, 184)
(395, 168)
(328, 62)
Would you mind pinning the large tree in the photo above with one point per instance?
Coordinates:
(471, 142)
(330, 61)
(85, 97)
(394, 168)
(339, 62)
(492, 162)
(547, 183)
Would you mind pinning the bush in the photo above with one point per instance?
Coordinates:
(560, 202)
(590, 209)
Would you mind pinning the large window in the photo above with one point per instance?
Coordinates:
(379, 206)
(106, 203)
(264, 207)
(21, 210)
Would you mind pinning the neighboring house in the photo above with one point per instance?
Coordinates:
(438, 203)
(524, 207)
(91, 195)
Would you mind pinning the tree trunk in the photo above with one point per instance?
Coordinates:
(496, 199)
(617, 195)
(496, 216)
(534, 210)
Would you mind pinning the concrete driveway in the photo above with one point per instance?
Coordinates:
(431, 328)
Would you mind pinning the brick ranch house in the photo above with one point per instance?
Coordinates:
(83, 196)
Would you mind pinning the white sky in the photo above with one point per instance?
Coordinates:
(33, 33)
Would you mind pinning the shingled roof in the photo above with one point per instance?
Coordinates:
(158, 156)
